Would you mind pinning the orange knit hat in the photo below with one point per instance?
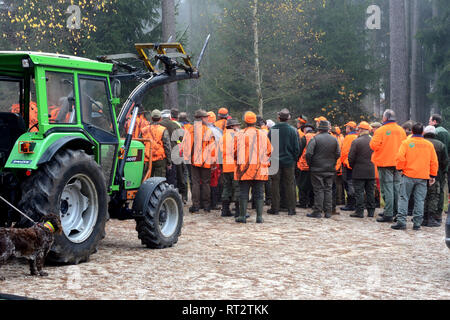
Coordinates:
(223, 112)
(351, 124)
(364, 125)
(250, 117)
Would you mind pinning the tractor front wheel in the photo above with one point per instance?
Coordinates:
(161, 209)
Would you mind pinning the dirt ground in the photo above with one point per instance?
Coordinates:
(284, 258)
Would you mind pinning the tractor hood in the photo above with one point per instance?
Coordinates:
(14, 61)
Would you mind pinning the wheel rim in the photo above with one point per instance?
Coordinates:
(168, 217)
(79, 208)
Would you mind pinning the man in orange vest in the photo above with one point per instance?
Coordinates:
(385, 144)
(305, 189)
(252, 151)
(222, 122)
(230, 191)
(160, 152)
(350, 129)
(418, 162)
(199, 148)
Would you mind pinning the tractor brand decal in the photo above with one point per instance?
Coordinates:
(136, 158)
(22, 161)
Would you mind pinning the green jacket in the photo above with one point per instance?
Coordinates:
(289, 145)
(443, 136)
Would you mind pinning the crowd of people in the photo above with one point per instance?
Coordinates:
(223, 162)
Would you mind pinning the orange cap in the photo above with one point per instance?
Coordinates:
(302, 121)
(321, 118)
(250, 117)
(211, 117)
(223, 111)
(351, 124)
(364, 125)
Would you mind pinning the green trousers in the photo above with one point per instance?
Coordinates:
(286, 176)
(159, 168)
(230, 191)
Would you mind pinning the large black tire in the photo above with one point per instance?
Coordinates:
(41, 195)
(155, 229)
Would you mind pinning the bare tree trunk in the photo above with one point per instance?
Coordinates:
(435, 107)
(399, 61)
(256, 51)
(168, 26)
(414, 60)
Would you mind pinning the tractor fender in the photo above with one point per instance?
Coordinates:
(74, 143)
(144, 194)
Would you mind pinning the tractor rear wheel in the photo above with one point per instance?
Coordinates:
(73, 185)
(162, 215)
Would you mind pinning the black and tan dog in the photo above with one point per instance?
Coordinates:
(32, 244)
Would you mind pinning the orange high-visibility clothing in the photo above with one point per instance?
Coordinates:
(226, 147)
(155, 133)
(302, 164)
(346, 145)
(252, 151)
(340, 140)
(301, 133)
(199, 146)
(385, 144)
(15, 108)
(141, 123)
(417, 158)
(221, 124)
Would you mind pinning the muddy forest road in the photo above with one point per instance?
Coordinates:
(284, 258)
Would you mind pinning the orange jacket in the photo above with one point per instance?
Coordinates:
(226, 147)
(340, 140)
(198, 146)
(155, 133)
(302, 164)
(300, 133)
(141, 123)
(252, 151)
(346, 145)
(385, 144)
(15, 108)
(221, 124)
(417, 158)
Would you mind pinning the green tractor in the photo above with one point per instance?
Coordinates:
(63, 150)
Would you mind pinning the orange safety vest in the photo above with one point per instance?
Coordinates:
(252, 151)
(302, 164)
(301, 133)
(155, 133)
(141, 123)
(199, 146)
(221, 124)
(345, 150)
(226, 146)
(340, 140)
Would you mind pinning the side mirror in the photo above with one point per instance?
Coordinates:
(116, 88)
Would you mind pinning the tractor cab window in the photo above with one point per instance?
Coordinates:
(10, 96)
(95, 104)
(60, 98)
